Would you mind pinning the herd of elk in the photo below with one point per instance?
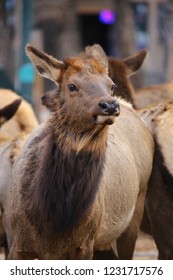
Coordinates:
(97, 157)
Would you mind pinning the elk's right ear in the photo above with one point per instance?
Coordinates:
(46, 65)
(133, 63)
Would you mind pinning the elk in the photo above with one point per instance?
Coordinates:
(140, 99)
(148, 97)
(159, 199)
(24, 119)
(121, 70)
(6, 113)
(17, 120)
(151, 95)
(80, 181)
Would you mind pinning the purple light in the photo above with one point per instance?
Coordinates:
(107, 17)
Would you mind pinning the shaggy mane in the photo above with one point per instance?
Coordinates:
(60, 195)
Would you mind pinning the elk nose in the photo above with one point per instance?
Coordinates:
(110, 108)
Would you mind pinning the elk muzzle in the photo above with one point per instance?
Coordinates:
(108, 110)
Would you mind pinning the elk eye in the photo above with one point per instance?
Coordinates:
(113, 87)
(72, 87)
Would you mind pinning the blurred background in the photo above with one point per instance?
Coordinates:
(64, 27)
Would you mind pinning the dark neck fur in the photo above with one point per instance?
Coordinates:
(63, 187)
(166, 176)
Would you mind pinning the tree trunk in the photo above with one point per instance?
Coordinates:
(125, 29)
(125, 35)
(58, 21)
(6, 58)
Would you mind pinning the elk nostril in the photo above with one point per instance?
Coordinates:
(117, 107)
(104, 105)
(110, 108)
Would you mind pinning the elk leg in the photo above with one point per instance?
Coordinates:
(162, 232)
(21, 255)
(146, 223)
(126, 242)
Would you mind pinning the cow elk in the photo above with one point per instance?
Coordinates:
(80, 181)
(159, 199)
(17, 120)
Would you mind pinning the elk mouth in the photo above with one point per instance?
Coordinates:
(104, 120)
(106, 112)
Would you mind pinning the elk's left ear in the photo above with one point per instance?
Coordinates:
(46, 65)
(134, 63)
(97, 53)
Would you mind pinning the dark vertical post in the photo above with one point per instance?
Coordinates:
(26, 88)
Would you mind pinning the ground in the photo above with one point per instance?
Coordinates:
(145, 248)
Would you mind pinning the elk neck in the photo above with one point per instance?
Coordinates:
(67, 177)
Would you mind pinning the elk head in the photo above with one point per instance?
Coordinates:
(85, 92)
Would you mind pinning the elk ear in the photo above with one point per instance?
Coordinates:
(97, 53)
(134, 63)
(48, 99)
(46, 65)
(8, 111)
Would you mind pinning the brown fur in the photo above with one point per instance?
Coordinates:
(23, 121)
(153, 94)
(17, 121)
(118, 73)
(121, 70)
(49, 99)
(148, 96)
(47, 58)
(68, 207)
(159, 200)
(78, 172)
(139, 98)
